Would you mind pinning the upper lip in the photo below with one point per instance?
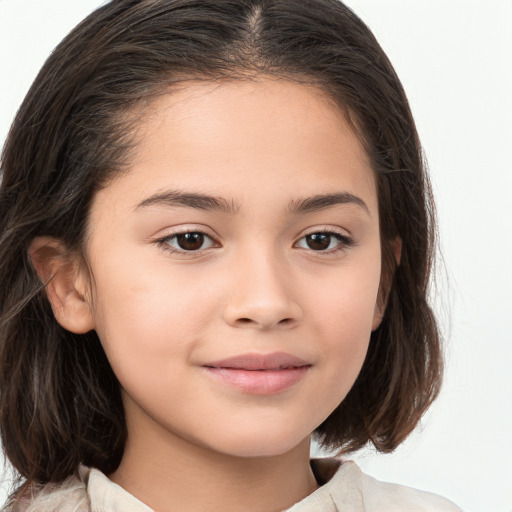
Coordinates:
(254, 361)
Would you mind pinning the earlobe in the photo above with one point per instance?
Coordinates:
(382, 300)
(396, 247)
(65, 280)
(378, 314)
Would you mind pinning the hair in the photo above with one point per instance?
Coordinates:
(60, 402)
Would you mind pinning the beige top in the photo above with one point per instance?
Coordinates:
(346, 489)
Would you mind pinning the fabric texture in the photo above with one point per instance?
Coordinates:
(344, 488)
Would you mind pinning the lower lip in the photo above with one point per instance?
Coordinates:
(259, 382)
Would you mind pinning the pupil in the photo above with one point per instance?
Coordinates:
(190, 241)
(318, 241)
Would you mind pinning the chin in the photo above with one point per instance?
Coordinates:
(265, 444)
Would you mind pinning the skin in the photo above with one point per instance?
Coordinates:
(254, 286)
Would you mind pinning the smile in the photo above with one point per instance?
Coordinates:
(259, 374)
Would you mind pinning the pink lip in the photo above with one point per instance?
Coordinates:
(260, 374)
(253, 361)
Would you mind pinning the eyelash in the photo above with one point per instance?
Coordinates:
(164, 242)
(345, 242)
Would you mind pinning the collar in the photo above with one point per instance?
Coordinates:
(336, 479)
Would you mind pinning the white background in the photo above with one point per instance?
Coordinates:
(454, 59)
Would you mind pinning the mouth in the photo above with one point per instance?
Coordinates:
(259, 374)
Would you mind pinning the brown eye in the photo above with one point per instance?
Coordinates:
(325, 242)
(190, 241)
(318, 241)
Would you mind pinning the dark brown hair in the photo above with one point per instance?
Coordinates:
(60, 403)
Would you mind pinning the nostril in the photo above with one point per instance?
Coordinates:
(249, 321)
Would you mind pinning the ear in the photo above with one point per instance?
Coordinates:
(396, 247)
(378, 314)
(65, 278)
(386, 280)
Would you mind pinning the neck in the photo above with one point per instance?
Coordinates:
(172, 470)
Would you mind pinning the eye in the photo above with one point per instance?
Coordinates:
(325, 241)
(190, 241)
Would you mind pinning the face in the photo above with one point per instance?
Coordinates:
(236, 266)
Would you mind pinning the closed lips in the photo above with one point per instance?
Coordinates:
(259, 374)
(260, 362)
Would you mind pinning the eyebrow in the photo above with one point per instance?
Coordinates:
(323, 201)
(173, 198)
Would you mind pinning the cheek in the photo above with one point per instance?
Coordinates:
(344, 315)
(345, 300)
(146, 315)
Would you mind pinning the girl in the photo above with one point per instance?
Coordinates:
(216, 235)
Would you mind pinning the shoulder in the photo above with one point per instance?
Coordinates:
(68, 496)
(347, 488)
(377, 495)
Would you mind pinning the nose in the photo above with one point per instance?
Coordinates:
(261, 296)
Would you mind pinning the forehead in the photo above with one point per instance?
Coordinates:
(244, 139)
